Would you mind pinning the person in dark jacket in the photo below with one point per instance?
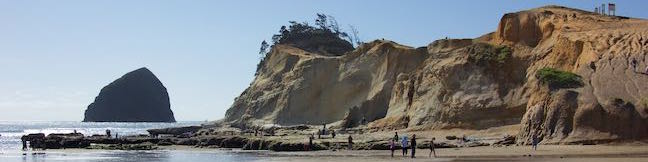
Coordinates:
(350, 142)
(413, 145)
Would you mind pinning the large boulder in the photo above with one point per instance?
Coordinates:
(137, 96)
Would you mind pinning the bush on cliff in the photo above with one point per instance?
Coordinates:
(557, 79)
(484, 54)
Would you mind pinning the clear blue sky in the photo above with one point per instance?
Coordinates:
(55, 56)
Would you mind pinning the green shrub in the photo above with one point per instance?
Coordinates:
(559, 79)
(483, 54)
(503, 53)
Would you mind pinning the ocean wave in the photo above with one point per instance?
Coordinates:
(11, 134)
(11, 131)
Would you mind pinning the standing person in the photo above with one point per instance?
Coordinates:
(413, 144)
(364, 120)
(305, 143)
(463, 140)
(432, 148)
(350, 142)
(333, 133)
(310, 142)
(634, 64)
(24, 142)
(404, 145)
(534, 142)
(392, 146)
(108, 133)
(261, 131)
(395, 139)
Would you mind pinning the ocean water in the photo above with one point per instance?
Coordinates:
(11, 131)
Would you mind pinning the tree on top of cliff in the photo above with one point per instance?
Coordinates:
(325, 37)
(264, 49)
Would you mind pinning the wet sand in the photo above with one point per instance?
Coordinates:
(488, 153)
(569, 153)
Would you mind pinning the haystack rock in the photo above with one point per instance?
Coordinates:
(564, 75)
(137, 96)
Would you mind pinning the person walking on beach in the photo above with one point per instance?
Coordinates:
(395, 139)
(319, 134)
(350, 142)
(392, 146)
(310, 142)
(404, 145)
(413, 144)
(24, 142)
(432, 151)
(534, 142)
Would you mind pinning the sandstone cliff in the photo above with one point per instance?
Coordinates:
(138, 96)
(294, 86)
(478, 83)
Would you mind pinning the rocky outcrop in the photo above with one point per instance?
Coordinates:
(294, 86)
(138, 96)
(490, 81)
(174, 131)
(599, 49)
(56, 140)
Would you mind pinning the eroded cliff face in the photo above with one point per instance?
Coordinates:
(611, 103)
(477, 83)
(456, 89)
(294, 86)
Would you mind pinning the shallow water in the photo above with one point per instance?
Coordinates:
(11, 131)
(126, 156)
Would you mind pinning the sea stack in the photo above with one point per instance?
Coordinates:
(138, 96)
